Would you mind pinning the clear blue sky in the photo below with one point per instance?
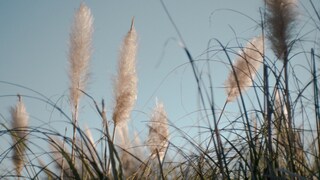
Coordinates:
(34, 49)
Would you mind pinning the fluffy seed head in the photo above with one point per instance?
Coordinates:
(158, 132)
(280, 21)
(245, 68)
(80, 51)
(126, 81)
(20, 118)
(19, 124)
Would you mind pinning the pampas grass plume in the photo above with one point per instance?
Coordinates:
(80, 51)
(245, 68)
(158, 132)
(280, 19)
(20, 118)
(126, 81)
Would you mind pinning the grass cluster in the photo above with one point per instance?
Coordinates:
(274, 135)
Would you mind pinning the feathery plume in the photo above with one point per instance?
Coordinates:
(158, 132)
(280, 19)
(126, 82)
(80, 52)
(19, 124)
(245, 68)
(79, 56)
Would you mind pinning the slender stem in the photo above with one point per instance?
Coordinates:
(74, 122)
(267, 116)
(316, 104)
(160, 165)
(62, 163)
(113, 136)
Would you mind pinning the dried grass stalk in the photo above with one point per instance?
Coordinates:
(19, 124)
(80, 52)
(280, 19)
(158, 132)
(126, 81)
(245, 68)
(79, 56)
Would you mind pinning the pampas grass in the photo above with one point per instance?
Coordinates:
(158, 137)
(19, 125)
(245, 68)
(80, 52)
(126, 81)
(280, 20)
(267, 146)
(79, 56)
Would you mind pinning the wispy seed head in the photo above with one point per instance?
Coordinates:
(245, 68)
(80, 52)
(281, 18)
(19, 125)
(158, 132)
(126, 81)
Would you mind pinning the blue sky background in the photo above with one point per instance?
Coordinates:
(34, 39)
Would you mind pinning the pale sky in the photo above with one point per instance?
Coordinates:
(34, 53)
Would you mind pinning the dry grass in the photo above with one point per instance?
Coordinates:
(80, 52)
(281, 21)
(158, 132)
(126, 81)
(267, 145)
(245, 68)
(79, 57)
(19, 134)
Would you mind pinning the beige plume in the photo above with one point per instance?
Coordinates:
(19, 124)
(280, 19)
(80, 52)
(245, 68)
(79, 57)
(158, 132)
(126, 81)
